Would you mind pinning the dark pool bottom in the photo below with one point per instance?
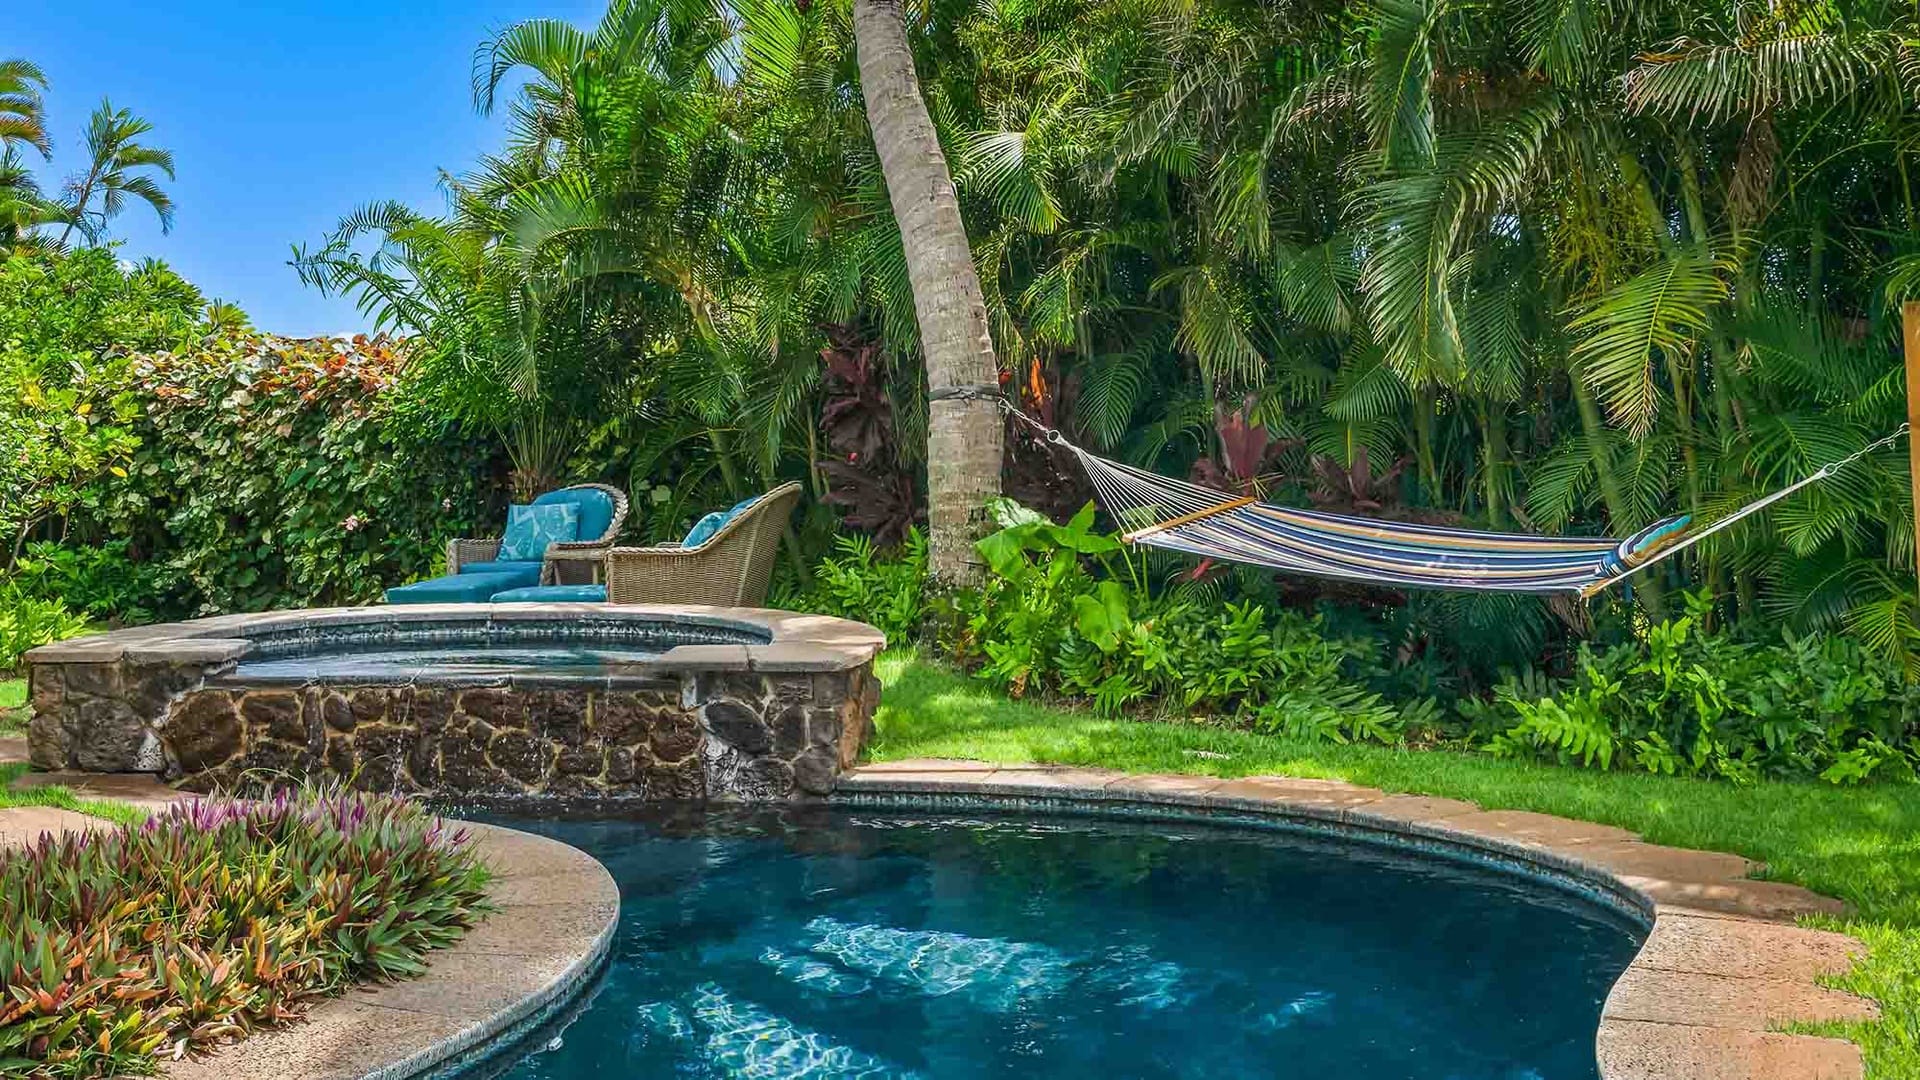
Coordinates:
(834, 943)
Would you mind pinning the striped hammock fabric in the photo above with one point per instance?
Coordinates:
(1162, 512)
(1165, 513)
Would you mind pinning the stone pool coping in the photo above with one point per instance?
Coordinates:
(797, 642)
(557, 910)
(1721, 969)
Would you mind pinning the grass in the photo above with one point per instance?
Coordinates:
(13, 721)
(13, 706)
(61, 798)
(1859, 844)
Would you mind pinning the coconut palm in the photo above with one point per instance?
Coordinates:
(963, 432)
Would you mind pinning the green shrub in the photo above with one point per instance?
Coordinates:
(1065, 612)
(278, 473)
(216, 916)
(857, 582)
(28, 622)
(104, 583)
(1691, 703)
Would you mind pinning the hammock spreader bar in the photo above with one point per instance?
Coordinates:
(1159, 511)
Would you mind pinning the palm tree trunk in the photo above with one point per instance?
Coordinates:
(964, 434)
(1615, 499)
(1493, 424)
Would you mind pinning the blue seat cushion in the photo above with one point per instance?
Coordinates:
(594, 505)
(455, 589)
(528, 570)
(553, 594)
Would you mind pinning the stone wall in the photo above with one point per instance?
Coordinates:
(721, 736)
(103, 717)
(754, 705)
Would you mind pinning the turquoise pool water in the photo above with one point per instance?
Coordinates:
(837, 944)
(418, 661)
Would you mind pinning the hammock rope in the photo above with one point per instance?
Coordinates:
(1160, 511)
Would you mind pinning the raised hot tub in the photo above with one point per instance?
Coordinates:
(584, 701)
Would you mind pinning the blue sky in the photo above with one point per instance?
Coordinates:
(282, 117)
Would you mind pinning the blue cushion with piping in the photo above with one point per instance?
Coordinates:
(453, 589)
(594, 506)
(553, 594)
(532, 529)
(529, 569)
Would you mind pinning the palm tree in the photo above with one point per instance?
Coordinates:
(23, 117)
(22, 206)
(964, 434)
(23, 122)
(98, 195)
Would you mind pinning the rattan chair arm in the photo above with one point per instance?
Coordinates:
(462, 551)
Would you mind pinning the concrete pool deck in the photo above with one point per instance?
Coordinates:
(1722, 968)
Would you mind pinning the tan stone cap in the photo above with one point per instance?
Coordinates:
(797, 642)
(1721, 968)
(557, 913)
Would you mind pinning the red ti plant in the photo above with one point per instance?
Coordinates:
(1247, 451)
(862, 460)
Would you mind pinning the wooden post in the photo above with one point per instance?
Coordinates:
(1910, 317)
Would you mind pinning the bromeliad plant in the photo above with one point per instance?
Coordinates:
(119, 948)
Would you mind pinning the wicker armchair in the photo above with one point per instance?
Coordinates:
(731, 569)
(575, 562)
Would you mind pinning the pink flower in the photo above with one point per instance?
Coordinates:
(353, 522)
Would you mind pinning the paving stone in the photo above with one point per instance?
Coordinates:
(1684, 997)
(1539, 830)
(1635, 1050)
(1414, 808)
(1301, 793)
(339, 1040)
(911, 766)
(24, 825)
(1745, 948)
(1053, 780)
(1178, 788)
(141, 790)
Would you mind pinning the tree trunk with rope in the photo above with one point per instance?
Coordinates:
(964, 434)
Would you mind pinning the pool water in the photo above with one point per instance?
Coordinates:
(829, 943)
(414, 661)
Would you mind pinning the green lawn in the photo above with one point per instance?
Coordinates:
(13, 706)
(1860, 844)
(62, 798)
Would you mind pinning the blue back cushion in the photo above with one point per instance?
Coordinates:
(594, 506)
(704, 529)
(530, 529)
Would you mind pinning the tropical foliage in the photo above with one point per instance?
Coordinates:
(1538, 266)
(120, 169)
(1070, 614)
(164, 461)
(121, 947)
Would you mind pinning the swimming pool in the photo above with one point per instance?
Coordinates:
(827, 942)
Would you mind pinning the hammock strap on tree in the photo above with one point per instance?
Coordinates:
(1159, 511)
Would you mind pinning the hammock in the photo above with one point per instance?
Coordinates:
(1165, 513)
